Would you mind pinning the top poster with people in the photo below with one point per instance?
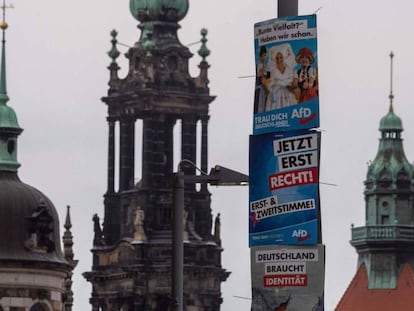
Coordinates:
(286, 88)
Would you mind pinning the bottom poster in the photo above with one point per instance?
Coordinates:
(288, 278)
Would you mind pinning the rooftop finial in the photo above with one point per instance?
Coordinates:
(3, 26)
(69, 256)
(113, 52)
(67, 237)
(68, 223)
(4, 7)
(391, 96)
(203, 51)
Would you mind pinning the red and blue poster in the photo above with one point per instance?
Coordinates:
(286, 88)
(284, 188)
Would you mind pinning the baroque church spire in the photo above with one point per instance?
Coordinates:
(3, 85)
(389, 191)
(385, 244)
(390, 166)
(30, 245)
(9, 127)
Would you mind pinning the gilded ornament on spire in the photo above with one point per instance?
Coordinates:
(3, 25)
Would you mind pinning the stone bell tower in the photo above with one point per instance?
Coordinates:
(132, 253)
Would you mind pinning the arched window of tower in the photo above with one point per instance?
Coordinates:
(39, 307)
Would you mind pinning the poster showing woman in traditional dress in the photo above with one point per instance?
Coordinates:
(286, 88)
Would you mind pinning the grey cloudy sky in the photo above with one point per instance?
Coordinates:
(56, 58)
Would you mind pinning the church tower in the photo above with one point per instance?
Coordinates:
(34, 274)
(132, 253)
(385, 245)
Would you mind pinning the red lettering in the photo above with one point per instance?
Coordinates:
(287, 280)
(295, 178)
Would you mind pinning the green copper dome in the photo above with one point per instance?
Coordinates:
(390, 166)
(158, 10)
(391, 122)
(9, 130)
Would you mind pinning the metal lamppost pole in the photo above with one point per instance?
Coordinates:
(178, 243)
(287, 8)
(218, 176)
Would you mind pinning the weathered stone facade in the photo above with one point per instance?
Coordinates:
(132, 254)
(31, 289)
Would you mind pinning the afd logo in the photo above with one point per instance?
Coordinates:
(305, 115)
(301, 235)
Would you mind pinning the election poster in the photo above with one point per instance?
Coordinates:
(284, 188)
(288, 278)
(286, 87)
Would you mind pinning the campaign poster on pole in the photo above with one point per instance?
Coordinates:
(288, 278)
(284, 188)
(286, 88)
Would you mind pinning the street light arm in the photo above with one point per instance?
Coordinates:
(192, 164)
(222, 176)
(218, 176)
